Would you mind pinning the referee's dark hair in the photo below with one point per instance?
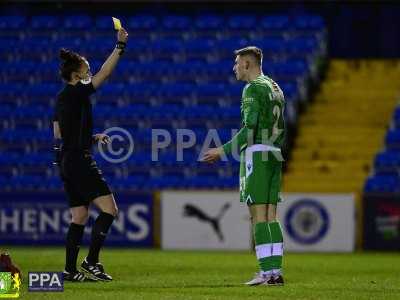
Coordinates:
(252, 51)
(70, 62)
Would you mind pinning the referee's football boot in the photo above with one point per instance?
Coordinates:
(95, 271)
(76, 276)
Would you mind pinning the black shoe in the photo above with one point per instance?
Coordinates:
(275, 281)
(279, 280)
(76, 276)
(95, 271)
(270, 281)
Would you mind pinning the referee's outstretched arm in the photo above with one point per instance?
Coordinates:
(112, 60)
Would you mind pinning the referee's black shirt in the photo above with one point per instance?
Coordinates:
(74, 114)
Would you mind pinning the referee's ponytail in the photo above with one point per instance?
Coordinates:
(70, 62)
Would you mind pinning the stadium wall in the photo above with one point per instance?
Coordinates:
(184, 220)
(381, 222)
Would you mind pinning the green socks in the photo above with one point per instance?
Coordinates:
(262, 239)
(268, 239)
(276, 247)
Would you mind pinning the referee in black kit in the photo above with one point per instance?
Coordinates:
(83, 181)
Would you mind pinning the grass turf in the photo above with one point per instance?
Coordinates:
(155, 274)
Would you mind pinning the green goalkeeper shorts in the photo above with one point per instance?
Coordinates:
(260, 175)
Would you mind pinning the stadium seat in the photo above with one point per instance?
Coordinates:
(382, 184)
(45, 22)
(142, 22)
(274, 22)
(76, 22)
(103, 22)
(387, 161)
(12, 22)
(243, 22)
(393, 140)
(177, 73)
(308, 22)
(175, 22)
(208, 22)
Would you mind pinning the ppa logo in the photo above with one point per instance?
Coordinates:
(46, 282)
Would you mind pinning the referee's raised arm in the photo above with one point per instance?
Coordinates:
(112, 60)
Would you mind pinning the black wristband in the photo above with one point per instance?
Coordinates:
(121, 46)
(57, 148)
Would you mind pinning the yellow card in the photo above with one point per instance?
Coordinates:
(117, 23)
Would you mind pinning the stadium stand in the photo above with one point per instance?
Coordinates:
(385, 177)
(343, 129)
(176, 73)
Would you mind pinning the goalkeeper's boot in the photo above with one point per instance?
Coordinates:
(95, 271)
(259, 278)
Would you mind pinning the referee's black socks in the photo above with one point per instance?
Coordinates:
(73, 242)
(99, 233)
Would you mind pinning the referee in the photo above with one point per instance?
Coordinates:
(83, 181)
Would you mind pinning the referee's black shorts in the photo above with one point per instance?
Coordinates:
(83, 181)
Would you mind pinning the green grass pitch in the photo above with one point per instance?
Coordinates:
(155, 274)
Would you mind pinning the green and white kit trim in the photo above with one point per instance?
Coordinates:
(256, 148)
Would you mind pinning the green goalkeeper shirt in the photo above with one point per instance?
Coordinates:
(261, 110)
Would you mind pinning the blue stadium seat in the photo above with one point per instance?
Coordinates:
(272, 45)
(142, 22)
(289, 69)
(387, 162)
(382, 184)
(230, 45)
(198, 46)
(36, 159)
(45, 22)
(167, 46)
(214, 90)
(209, 22)
(52, 183)
(77, 22)
(242, 22)
(12, 22)
(289, 89)
(177, 72)
(9, 158)
(174, 90)
(26, 182)
(128, 183)
(175, 22)
(302, 45)
(308, 22)
(274, 22)
(392, 140)
(104, 22)
(44, 89)
(11, 89)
